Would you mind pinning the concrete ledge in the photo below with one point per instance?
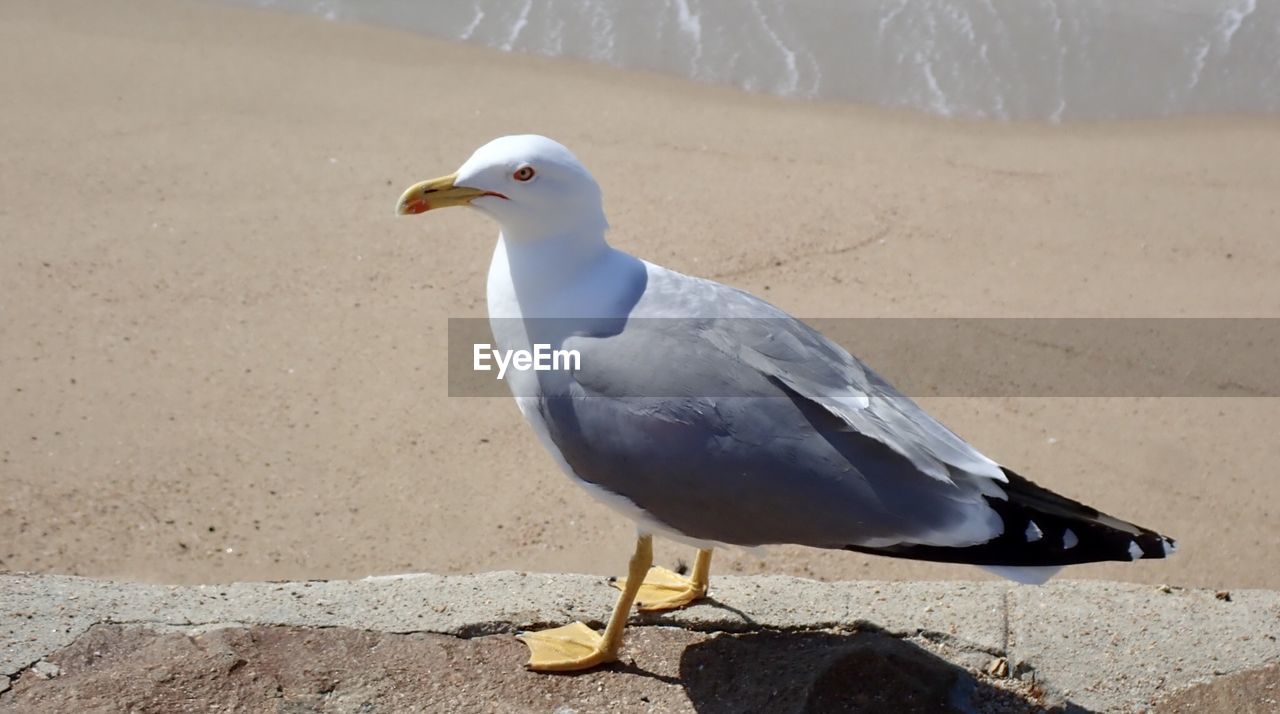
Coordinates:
(775, 642)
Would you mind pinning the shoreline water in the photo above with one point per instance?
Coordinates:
(225, 358)
(1044, 61)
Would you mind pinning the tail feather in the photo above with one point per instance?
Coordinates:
(1043, 529)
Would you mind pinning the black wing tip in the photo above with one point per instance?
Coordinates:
(1167, 547)
(1043, 529)
(1066, 548)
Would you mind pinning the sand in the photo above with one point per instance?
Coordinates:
(221, 355)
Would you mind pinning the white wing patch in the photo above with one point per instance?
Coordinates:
(1033, 532)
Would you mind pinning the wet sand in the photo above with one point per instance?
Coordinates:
(221, 355)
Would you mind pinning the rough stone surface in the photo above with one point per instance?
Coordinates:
(431, 643)
(297, 669)
(1145, 640)
(487, 603)
(1256, 691)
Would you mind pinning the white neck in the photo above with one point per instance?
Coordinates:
(541, 269)
(562, 277)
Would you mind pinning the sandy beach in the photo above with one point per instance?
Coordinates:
(222, 355)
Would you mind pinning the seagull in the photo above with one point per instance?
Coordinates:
(713, 418)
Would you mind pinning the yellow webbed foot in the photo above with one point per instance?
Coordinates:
(566, 649)
(664, 590)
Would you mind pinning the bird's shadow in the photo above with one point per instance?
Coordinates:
(864, 671)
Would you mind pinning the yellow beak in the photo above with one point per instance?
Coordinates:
(437, 193)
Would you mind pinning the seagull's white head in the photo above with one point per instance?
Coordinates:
(533, 186)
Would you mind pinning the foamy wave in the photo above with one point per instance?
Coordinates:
(1031, 59)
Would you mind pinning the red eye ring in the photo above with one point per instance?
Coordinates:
(524, 173)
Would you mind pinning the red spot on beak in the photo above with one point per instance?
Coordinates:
(417, 205)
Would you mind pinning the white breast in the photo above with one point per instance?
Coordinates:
(505, 319)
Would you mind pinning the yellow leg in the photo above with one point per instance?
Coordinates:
(574, 647)
(665, 590)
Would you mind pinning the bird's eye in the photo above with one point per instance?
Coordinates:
(524, 173)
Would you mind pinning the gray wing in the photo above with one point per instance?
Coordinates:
(749, 427)
(778, 345)
(826, 374)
